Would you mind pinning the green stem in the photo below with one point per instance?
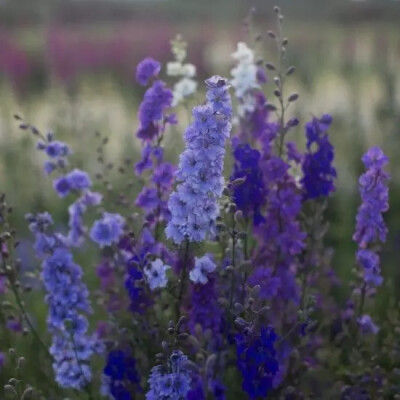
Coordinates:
(315, 213)
(182, 280)
(233, 277)
(246, 256)
(24, 313)
(87, 387)
(281, 82)
(360, 310)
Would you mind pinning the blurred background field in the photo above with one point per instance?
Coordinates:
(68, 66)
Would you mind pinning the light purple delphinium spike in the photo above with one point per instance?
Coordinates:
(68, 302)
(194, 204)
(370, 225)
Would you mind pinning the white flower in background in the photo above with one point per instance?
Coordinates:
(183, 88)
(186, 86)
(243, 53)
(189, 70)
(244, 78)
(174, 68)
(156, 274)
(202, 266)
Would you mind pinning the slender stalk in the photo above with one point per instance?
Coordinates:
(281, 115)
(24, 313)
(182, 280)
(233, 277)
(315, 214)
(87, 387)
(159, 192)
(281, 85)
(246, 257)
(360, 310)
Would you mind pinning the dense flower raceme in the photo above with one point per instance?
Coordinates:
(68, 302)
(370, 225)
(170, 382)
(255, 130)
(193, 205)
(250, 196)
(153, 120)
(318, 172)
(152, 117)
(257, 361)
(119, 374)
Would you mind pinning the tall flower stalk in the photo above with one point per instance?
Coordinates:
(370, 225)
(68, 302)
(194, 204)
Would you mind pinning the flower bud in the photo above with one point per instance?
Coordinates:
(270, 66)
(238, 216)
(290, 70)
(293, 97)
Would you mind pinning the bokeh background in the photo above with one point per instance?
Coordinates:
(68, 66)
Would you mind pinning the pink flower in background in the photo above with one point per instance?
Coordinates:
(2, 284)
(14, 62)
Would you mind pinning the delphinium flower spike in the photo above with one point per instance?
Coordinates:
(75, 181)
(154, 118)
(119, 375)
(257, 347)
(317, 184)
(370, 225)
(68, 302)
(194, 204)
(170, 381)
(318, 171)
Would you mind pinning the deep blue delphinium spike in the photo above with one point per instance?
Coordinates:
(120, 374)
(250, 196)
(257, 361)
(318, 171)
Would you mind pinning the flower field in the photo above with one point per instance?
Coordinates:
(196, 227)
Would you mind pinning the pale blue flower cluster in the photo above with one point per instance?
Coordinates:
(194, 204)
(156, 274)
(171, 382)
(202, 266)
(107, 230)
